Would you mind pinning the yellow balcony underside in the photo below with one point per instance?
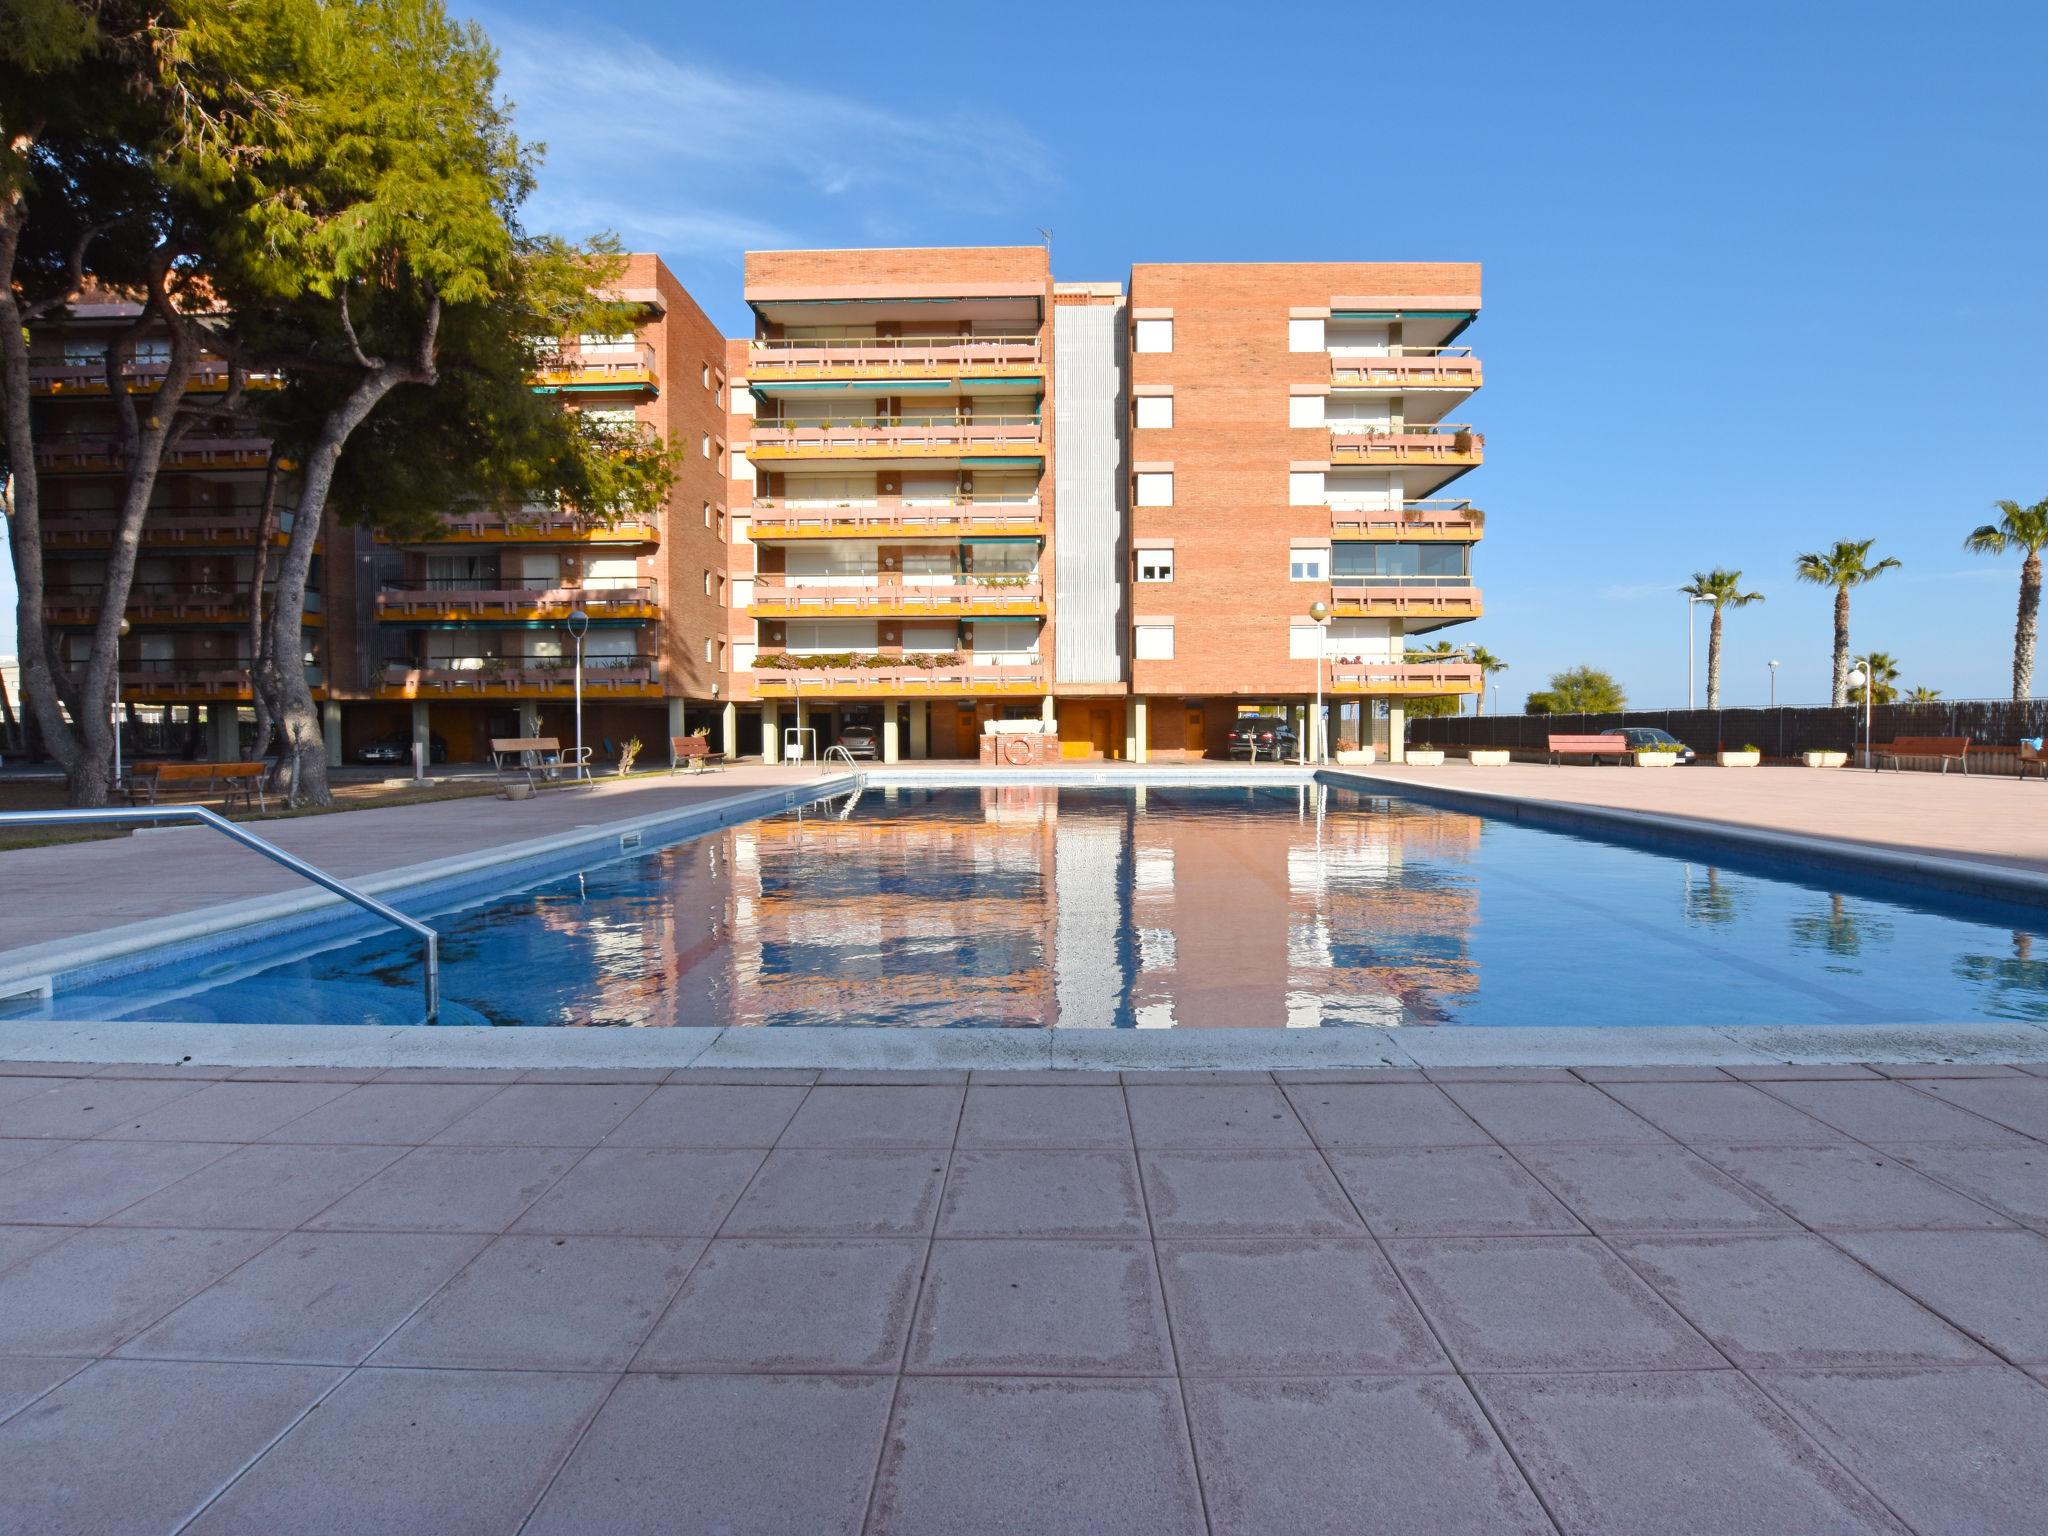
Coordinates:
(80, 389)
(1403, 690)
(1029, 608)
(572, 377)
(554, 692)
(56, 536)
(882, 373)
(1391, 608)
(1349, 454)
(106, 463)
(171, 693)
(436, 613)
(907, 688)
(766, 530)
(622, 533)
(785, 453)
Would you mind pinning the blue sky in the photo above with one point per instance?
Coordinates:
(1757, 276)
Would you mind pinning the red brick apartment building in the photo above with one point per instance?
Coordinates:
(934, 487)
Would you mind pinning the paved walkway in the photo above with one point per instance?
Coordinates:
(1958, 816)
(1661, 1302)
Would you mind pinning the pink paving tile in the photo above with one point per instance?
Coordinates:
(315, 1298)
(1621, 1188)
(1038, 1193)
(906, 1116)
(1344, 1312)
(1881, 1112)
(1688, 1453)
(87, 1181)
(546, 1115)
(1722, 1112)
(1449, 1192)
(15, 1152)
(17, 1243)
(1226, 1115)
(2018, 1102)
(23, 1381)
(450, 1189)
(1246, 1192)
(645, 1192)
(90, 1292)
(689, 1454)
(87, 1107)
(1544, 1303)
(1389, 1115)
(387, 1113)
(971, 1455)
(1844, 1188)
(1077, 1116)
(226, 1112)
(1313, 1457)
(1990, 1284)
(410, 1450)
(1544, 1112)
(1040, 1308)
(262, 1187)
(141, 1446)
(842, 1192)
(2011, 1179)
(693, 1115)
(1794, 1300)
(547, 1303)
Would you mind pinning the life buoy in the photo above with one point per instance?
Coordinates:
(1016, 751)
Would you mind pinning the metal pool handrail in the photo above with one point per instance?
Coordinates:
(131, 815)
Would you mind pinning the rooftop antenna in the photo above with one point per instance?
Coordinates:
(1046, 235)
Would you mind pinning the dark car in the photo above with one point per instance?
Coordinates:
(398, 749)
(1257, 736)
(860, 741)
(1639, 737)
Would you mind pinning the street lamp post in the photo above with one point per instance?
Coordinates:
(1320, 612)
(115, 787)
(1862, 675)
(1774, 682)
(579, 624)
(1690, 603)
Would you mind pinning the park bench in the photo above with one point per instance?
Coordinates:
(693, 752)
(230, 783)
(519, 759)
(1595, 747)
(2033, 757)
(1950, 749)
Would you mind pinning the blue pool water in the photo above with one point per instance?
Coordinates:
(1282, 906)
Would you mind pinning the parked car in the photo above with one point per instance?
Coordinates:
(1640, 736)
(1267, 736)
(398, 749)
(861, 741)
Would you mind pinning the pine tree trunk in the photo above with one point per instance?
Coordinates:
(1714, 660)
(2024, 632)
(1841, 688)
(266, 529)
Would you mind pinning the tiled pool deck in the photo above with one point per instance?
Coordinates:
(1658, 1300)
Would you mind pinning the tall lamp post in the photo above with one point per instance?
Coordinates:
(1690, 603)
(1860, 676)
(1320, 612)
(579, 625)
(1774, 682)
(116, 785)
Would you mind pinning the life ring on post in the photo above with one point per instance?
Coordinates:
(1016, 750)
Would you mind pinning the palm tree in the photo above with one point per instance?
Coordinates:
(2024, 528)
(1883, 673)
(1724, 590)
(1440, 704)
(1924, 695)
(1846, 565)
(1488, 665)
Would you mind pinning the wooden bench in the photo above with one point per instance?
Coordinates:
(230, 783)
(1950, 749)
(1595, 747)
(2034, 757)
(519, 759)
(693, 752)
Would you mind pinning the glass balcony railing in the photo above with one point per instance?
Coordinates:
(768, 357)
(869, 433)
(1363, 516)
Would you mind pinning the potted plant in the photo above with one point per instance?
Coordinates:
(1748, 757)
(1662, 755)
(1826, 759)
(1357, 757)
(1488, 757)
(1426, 757)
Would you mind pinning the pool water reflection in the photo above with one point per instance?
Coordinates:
(1273, 906)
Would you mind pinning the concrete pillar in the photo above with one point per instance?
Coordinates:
(729, 730)
(1049, 712)
(803, 724)
(529, 718)
(422, 732)
(676, 726)
(890, 711)
(771, 732)
(224, 733)
(920, 728)
(1141, 730)
(330, 729)
(1397, 725)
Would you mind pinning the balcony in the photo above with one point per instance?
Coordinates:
(1431, 598)
(598, 370)
(1403, 679)
(1457, 522)
(230, 529)
(851, 357)
(97, 453)
(538, 528)
(1446, 444)
(965, 599)
(604, 677)
(88, 380)
(1406, 368)
(195, 680)
(886, 678)
(457, 600)
(897, 437)
(155, 602)
(892, 517)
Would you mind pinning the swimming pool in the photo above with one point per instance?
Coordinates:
(1278, 905)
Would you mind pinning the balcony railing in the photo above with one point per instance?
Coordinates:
(1356, 676)
(98, 452)
(773, 600)
(540, 528)
(1407, 368)
(531, 596)
(768, 358)
(194, 677)
(53, 376)
(1444, 443)
(212, 530)
(884, 680)
(869, 434)
(1397, 597)
(1455, 520)
(886, 516)
(611, 368)
(635, 676)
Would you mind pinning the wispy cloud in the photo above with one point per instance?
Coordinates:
(695, 159)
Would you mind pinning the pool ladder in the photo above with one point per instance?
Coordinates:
(430, 941)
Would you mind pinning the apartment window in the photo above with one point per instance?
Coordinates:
(1155, 411)
(1305, 411)
(1301, 641)
(721, 527)
(1305, 488)
(707, 647)
(1154, 642)
(1305, 336)
(1154, 336)
(707, 514)
(1155, 488)
(1309, 565)
(707, 583)
(705, 443)
(706, 376)
(1155, 565)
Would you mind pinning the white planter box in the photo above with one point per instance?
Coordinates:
(1741, 759)
(1431, 757)
(1827, 759)
(1656, 759)
(1488, 757)
(518, 791)
(1357, 757)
